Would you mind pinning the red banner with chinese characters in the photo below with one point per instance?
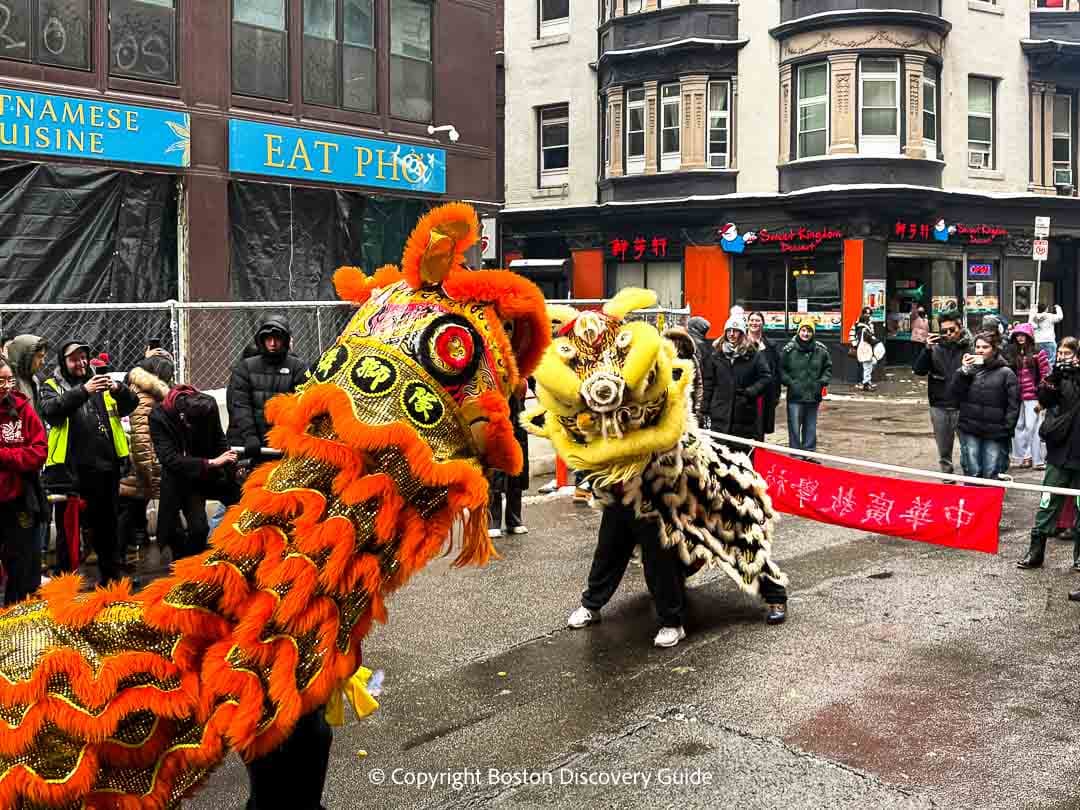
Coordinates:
(942, 514)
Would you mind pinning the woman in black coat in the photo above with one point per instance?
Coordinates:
(771, 398)
(1059, 395)
(740, 376)
(988, 396)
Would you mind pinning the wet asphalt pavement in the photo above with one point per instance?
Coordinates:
(906, 676)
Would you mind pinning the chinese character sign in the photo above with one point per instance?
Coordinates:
(944, 515)
(638, 248)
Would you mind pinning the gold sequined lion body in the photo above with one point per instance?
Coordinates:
(120, 700)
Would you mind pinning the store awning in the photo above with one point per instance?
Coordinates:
(532, 267)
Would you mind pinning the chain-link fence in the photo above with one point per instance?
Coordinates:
(206, 339)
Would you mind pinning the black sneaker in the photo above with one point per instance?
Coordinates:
(777, 614)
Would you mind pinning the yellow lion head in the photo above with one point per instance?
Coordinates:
(611, 392)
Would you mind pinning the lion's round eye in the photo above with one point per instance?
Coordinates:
(622, 340)
(449, 348)
(566, 351)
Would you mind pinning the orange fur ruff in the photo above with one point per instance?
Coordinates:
(220, 649)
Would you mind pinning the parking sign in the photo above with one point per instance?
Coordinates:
(1040, 250)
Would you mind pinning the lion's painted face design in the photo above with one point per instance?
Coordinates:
(611, 390)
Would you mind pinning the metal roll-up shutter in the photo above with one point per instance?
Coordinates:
(904, 250)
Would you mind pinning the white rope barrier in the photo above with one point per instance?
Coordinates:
(876, 465)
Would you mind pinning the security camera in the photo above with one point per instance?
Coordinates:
(448, 128)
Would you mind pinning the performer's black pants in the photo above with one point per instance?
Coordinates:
(620, 531)
(291, 777)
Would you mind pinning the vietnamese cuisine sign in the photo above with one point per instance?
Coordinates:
(63, 126)
(306, 154)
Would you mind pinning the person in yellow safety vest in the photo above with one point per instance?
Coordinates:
(87, 445)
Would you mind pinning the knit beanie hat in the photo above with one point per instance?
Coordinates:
(809, 324)
(737, 321)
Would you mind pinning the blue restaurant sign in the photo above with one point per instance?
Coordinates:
(306, 154)
(40, 124)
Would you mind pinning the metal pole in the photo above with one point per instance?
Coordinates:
(1038, 281)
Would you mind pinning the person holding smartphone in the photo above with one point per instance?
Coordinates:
(938, 360)
(87, 444)
(988, 397)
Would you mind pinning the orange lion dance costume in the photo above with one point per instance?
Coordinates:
(118, 700)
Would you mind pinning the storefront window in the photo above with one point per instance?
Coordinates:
(142, 39)
(664, 278)
(983, 294)
(788, 289)
(260, 48)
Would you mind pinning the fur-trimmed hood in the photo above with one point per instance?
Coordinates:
(142, 381)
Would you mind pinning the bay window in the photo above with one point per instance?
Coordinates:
(813, 121)
(670, 106)
(719, 128)
(879, 113)
(554, 145)
(635, 131)
(929, 110)
(1063, 140)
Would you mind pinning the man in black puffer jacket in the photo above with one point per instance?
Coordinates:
(257, 379)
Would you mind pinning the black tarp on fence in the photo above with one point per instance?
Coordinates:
(80, 235)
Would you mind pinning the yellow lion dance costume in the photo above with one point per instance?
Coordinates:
(613, 399)
(122, 700)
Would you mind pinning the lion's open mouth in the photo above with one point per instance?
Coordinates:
(589, 425)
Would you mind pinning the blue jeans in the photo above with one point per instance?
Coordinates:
(983, 458)
(1051, 352)
(868, 371)
(802, 425)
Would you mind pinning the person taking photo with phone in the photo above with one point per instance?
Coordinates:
(988, 397)
(939, 360)
(87, 445)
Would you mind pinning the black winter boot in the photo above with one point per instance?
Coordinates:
(1036, 552)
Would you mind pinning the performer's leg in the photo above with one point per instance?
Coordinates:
(663, 574)
(513, 505)
(495, 507)
(614, 546)
(292, 776)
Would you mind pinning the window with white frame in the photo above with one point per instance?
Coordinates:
(635, 131)
(670, 107)
(929, 110)
(555, 145)
(634, 6)
(813, 124)
(719, 128)
(554, 17)
(879, 106)
(1062, 140)
(980, 123)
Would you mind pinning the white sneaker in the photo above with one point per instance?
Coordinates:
(582, 617)
(669, 636)
(494, 532)
(549, 487)
(519, 530)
